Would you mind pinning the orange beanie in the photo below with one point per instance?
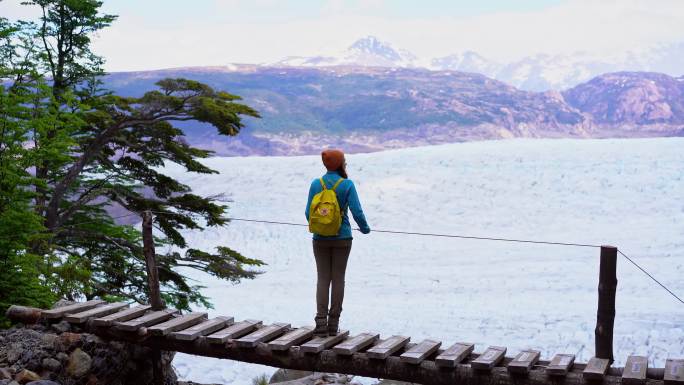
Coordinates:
(333, 159)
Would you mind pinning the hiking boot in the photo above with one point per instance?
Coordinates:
(321, 329)
(333, 325)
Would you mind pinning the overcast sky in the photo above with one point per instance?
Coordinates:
(152, 34)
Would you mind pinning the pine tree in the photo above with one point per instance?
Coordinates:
(93, 151)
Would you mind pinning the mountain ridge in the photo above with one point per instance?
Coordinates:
(365, 109)
(538, 72)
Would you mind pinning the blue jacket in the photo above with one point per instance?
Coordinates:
(347, 198)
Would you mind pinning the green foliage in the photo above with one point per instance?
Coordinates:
(74, 153)
(20, 277)
(260, 380)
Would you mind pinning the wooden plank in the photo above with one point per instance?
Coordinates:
(233, 331)
(420, 352)
(262, 335)
(70, 309)
(634, 372)
(148, 319)
(454, 354)
(178, 323)
(100, 311)
(319, 344)
(674, 371)
(523, 362)
(356, 343)
(596, 368)
(387, 347)
(202, 329)
(290, 339)
(125, 315)
(489, 358)
(560, 364)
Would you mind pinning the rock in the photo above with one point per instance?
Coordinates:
(25, 376)
(48, 340)
(51, 364)
(61, 327)
(79, 363)
(319, 379)
(282, 375)
(5, 374)
(66, 341)
(14, 352)
(63, 357)
(43, 382)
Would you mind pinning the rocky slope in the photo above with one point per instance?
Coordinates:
(374, 108)
(631, 99)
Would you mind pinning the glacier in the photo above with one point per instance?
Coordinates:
(626, 192)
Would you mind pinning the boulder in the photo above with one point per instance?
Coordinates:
(51, 364)
(26, 376)
(61, 327)
(79, 363)
(66, 341)
(5, 374)
(282, 375)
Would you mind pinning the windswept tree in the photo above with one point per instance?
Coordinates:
(91, 151)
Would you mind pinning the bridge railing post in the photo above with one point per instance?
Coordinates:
(605, 316)
(154, 292)
(151, 262)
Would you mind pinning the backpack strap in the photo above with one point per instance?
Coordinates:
(323, 184)
(337, 183)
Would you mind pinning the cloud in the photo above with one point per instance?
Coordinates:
(137, 41)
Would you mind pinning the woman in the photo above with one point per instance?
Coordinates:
(332, 252)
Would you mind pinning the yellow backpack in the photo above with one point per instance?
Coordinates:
(325, 217)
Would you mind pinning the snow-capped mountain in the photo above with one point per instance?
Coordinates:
(467, 61)
(539, 72)
(367, 52)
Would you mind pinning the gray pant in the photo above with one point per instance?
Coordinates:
(331, 264)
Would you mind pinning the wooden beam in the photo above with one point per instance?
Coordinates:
(319, 344)
(560, 364)
(202, 329)
(454, 355)
(674, 371)
(356, 343)
(70, 309)
(233, 331)
(523, 362)
(292, 338)
(416, 354)
(393, 368)
(149, 319)
(125, 315)
(24, 314)
(387, 347)
(634, 372)
(596, 368)
(262, 335)
(490, 358)
(100, 311)
(178, 323)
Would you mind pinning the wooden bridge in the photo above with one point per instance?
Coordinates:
(426, 362)
(396, 357)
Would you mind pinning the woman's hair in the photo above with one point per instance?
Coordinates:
(343, 171)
